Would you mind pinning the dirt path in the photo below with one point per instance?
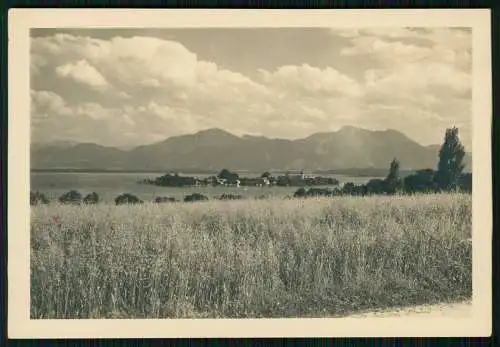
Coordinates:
(462, 309)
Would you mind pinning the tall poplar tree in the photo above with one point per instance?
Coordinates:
(450, 164)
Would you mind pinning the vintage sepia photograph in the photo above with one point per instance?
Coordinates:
(241, 172)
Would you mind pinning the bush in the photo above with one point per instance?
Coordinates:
(164, 199)
(92, 198)
(422, 181)
(226, 196)
(376, 186)
(127, 199)
(348, 188)
(465, 182)
(314, 192)
(38, 198)
(319, 192)
(283, 181)
(71, 197)
(195, 197)
(299, 193)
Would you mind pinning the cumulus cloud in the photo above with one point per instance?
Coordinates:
(390, 52)
(386, 51)
(312, 80)
(150, 88)
(82, 72)
(417, 77)
(47, 104)
(454, 38)
(136, 60)
(412, 80)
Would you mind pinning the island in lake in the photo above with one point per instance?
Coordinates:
(227, 178)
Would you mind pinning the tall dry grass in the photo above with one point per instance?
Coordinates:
(262, 258)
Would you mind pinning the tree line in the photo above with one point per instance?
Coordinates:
(74, 197)
(448, 176)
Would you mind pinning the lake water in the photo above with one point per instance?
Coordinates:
(110, 185)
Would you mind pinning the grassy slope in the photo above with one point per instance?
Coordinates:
(262, 258)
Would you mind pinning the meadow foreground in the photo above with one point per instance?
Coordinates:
(250, 258)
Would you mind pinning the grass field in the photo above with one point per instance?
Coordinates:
(251, 258)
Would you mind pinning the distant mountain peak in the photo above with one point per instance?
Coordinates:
(350, 128)
(214, 131)
(209, 133)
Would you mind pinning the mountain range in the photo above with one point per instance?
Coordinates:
(214, 149)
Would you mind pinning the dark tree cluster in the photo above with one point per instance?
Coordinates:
(465, 182)
(91, 199)
(37, 198)
(73, 197)
(283, 181)
(169, 180)
(448, 177)
(313, 192)
(228, 176)
(226, 196)
(252, 181)
(195, 197)
(164, 199)
(126, 199)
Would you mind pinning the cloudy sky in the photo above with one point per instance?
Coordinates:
(124, 87)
